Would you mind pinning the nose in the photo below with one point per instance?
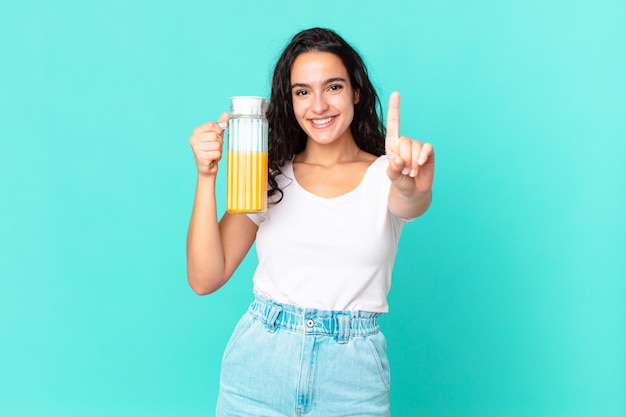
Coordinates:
(319, 104)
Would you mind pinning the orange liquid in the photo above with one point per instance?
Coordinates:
(246, 190)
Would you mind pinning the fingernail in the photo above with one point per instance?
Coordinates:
(223, 125)
(413, 173)
(406, 171)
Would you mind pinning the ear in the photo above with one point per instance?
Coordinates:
(356, 96)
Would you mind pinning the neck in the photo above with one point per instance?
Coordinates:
(329, 154)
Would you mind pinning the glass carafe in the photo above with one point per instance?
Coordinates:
(246, 190)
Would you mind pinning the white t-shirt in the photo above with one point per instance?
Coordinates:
(329, 253)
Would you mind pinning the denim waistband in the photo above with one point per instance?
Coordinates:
(337, 323)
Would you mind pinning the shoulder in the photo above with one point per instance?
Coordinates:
(380, 163)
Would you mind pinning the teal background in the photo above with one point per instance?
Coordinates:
(508, 296)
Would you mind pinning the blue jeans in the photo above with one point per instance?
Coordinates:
(284, 360)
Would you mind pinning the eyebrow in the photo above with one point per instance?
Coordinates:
(326, 82)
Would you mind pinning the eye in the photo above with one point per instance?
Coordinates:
(300, 93)
(335, 87)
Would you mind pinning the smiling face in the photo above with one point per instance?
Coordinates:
(323, 98)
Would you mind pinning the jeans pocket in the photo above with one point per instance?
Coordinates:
(378, 347)
(240, 329)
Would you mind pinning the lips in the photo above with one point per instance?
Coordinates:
(322, 122)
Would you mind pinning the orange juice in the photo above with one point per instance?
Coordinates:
(246, 190)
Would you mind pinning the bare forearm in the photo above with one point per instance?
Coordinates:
(409, 207)
(205, 255)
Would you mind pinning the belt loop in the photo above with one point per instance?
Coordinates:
(343, 334)
(272, 316)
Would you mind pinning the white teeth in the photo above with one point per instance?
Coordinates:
(321, 121)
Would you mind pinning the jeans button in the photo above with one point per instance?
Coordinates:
(310, 323)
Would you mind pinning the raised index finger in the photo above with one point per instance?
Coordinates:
(393, 116)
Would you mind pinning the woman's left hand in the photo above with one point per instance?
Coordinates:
(411, 162)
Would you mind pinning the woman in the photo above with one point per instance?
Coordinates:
(340, 192)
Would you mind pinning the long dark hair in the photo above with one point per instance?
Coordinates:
(286, 137)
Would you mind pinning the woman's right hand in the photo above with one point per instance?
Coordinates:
(206, 142)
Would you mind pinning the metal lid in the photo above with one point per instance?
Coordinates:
(248, 106)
